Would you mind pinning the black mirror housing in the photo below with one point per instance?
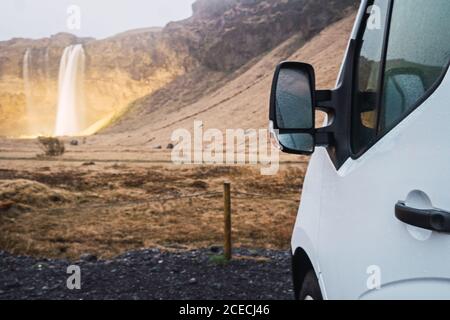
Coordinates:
(292, 108)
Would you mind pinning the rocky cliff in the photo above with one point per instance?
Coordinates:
(208, 48)
(119, 70)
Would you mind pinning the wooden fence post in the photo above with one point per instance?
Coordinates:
(227, 249)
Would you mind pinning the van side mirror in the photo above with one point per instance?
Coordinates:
(292, 108)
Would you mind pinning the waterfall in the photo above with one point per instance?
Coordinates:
(70, 92)
(47, 71)
(27, 88)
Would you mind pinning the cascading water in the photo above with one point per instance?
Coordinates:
(70, 95)
(27, 89)
(47, 70)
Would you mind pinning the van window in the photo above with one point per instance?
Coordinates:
(367, 76)
(396, 67)
(417, 54)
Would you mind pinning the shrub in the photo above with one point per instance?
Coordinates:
(52, 147)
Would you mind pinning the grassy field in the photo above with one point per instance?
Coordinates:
(63, 209)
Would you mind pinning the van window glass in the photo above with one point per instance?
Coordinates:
(367, 76)
(417, 54)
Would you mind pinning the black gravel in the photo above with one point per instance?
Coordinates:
(151, 275)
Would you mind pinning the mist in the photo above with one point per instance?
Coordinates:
(98, 19)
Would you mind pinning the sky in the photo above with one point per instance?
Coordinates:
(86, 18)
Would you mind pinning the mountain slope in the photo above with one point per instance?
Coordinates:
(190, 59)
(239, 102)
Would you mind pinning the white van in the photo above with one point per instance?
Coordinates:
(374, 220)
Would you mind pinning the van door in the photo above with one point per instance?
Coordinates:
(401, 153)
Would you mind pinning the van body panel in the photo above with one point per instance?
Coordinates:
(306, 228)
(416, 289)
(346, 221)
(358, 229)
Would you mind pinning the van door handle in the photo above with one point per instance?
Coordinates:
(430, 219)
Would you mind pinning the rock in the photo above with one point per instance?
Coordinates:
(217, 286)
(170, 146)
(236, 35)
(158, 147)
(40, 266)
(237, 280)
(87, 257)
(87, 164)
(12, 285)
(215, 249)
(200, 185)
(6, 205)
(74, 143)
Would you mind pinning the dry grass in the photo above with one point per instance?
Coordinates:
(52, 147)
(124, 208)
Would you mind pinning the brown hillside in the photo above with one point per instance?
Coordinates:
(196, 55)
(222, 103)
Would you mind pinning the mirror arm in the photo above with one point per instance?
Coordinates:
(323, 137)
(324, 100)
(324, 103)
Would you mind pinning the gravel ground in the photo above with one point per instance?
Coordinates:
(152, 275)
